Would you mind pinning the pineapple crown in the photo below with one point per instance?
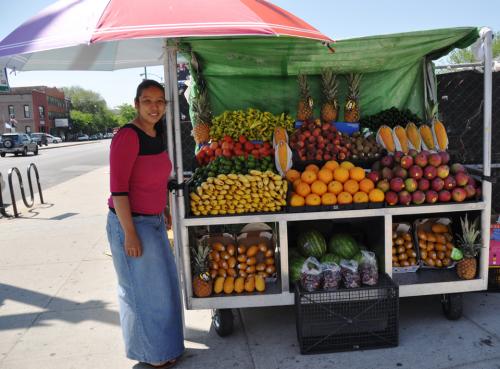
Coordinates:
(330, 84)
(353, 81)
(303, 86)
(469, 240)
(200, 256)
(201, 107)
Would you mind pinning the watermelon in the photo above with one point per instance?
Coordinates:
(311, 243)
(330, 258)
(293, 254)
(343, 245)
(295, 267)
(358, 257)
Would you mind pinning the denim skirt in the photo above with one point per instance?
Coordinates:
(148, 291)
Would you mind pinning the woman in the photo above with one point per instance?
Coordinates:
(148, 287)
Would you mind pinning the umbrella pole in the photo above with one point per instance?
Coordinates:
(175, 153)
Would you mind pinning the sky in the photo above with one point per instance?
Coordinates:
(335, 18)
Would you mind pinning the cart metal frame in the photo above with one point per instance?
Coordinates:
(283, 296)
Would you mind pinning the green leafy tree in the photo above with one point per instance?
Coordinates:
(461, 56)
(126, 113)
(81, 122)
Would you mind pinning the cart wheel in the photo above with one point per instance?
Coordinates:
(222, 321)
(452, 305)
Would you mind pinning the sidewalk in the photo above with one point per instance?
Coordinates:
(58, 306)
(66, 144)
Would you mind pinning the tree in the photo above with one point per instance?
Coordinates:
(81, 122)
(461, 56)
(126, 113)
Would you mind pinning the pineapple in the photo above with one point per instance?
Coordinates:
(202, 282)
(305, 106)
(330, 108)
(351, 108)
(203, 116)
(470, 244)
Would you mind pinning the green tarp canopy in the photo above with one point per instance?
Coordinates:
(262, 72)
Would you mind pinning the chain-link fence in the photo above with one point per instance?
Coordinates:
(461, 100)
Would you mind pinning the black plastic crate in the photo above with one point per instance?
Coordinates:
(348, 319)
(494, 279)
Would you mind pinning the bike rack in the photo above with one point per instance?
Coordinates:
(20, 180)
(2, 206)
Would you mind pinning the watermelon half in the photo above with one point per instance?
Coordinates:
(343, 245)
(311, 243)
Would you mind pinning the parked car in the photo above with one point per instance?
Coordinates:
(108, 135)
(82, 137)
(40, 138)
(53, 139)
(17, 143)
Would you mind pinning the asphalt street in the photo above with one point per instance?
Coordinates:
(55, 166)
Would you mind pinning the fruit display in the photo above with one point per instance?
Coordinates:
(251, 123)
(311, 243)
(404, 252)
(283, 157)
(311, 275)
(389, 117)
(364, 147)
(469, 243)
(239, 193)
(343, 245)
(227, 147)
(202, 118)
(222, 259)
(423, 177)
(351, 107)
(435, 242)
(202, 280)
(330, 107)
(305, 105)
(350, 273)
(332, 184)
(255, 259)
(235, 164)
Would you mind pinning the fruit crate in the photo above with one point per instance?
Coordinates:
(494, 279)
(348, 319)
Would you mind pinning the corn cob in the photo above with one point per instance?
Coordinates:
(400, 139)
(414, 139)
(280, 134)
(385, 138)
(427, 137)
(283, 157)
(440, 136)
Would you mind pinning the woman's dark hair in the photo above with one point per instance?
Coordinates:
(147, 83)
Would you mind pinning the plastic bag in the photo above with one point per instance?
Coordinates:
(331, 276)
(368, 269)
(350, 275)
(311, 275)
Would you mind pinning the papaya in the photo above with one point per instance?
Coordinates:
(219, 284)
(427, 137)
(385, 138)
(250, 284)
(282, 157)
(239, 285)
(440, 135)
(260, 283)
(280, 135)
(400, 139)
(252, 250)
(414, 139)
(229, 285)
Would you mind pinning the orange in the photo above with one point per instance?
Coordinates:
(360, 197)
(308, 176)
(295, 183)
(328, 198)
(303, 189)
(366, 185)
(347, 165)
(325, 175)
(331, 164)
(344, 198)
(313, 167)
(351, 186)
(335, 187)
(292, 175)
(357, 173)
(313, 199)
(318, 187)
(297, 200)
(341, 174)
(376, 195)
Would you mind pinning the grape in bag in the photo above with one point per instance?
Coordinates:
(311, 275)
(368, 268)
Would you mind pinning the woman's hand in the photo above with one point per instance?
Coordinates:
(133, 247)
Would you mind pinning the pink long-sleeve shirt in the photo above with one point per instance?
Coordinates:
(139, 168)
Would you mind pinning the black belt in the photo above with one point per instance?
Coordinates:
(136, 214)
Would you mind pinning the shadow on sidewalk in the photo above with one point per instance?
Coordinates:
(33, 298)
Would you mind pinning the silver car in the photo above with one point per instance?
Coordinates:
(17, 143)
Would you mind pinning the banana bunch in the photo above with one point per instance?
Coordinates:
(252, 123)
(239, 193)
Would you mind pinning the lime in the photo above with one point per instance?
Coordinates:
(456, 254)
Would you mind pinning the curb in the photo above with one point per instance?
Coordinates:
(60, 145)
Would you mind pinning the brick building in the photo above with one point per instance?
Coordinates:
(35, 109)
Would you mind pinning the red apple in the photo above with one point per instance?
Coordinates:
(413, 153)
(443, 171)
(430, 172)
(458, 194)
(435, 160)
(383, 185)
(404, 198)
(415, 172)
(424, 184)
(387, 161)
(374, 176)
(400, 172)
(421, 160)
(411, 184)
(398, 155)
(444, 196)
(406, 161)
(471, 191)
(462, 179)
(450, 183)
(431, 196)
(445, 157)
(397, 184)
(418, 197)
(391, 198)
(456, 168)
(437, 184)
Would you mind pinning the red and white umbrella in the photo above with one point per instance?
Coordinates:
(117, 34)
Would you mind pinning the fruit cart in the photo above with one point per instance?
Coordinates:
(426, 282)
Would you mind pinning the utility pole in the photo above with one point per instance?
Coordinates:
(145, 73)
